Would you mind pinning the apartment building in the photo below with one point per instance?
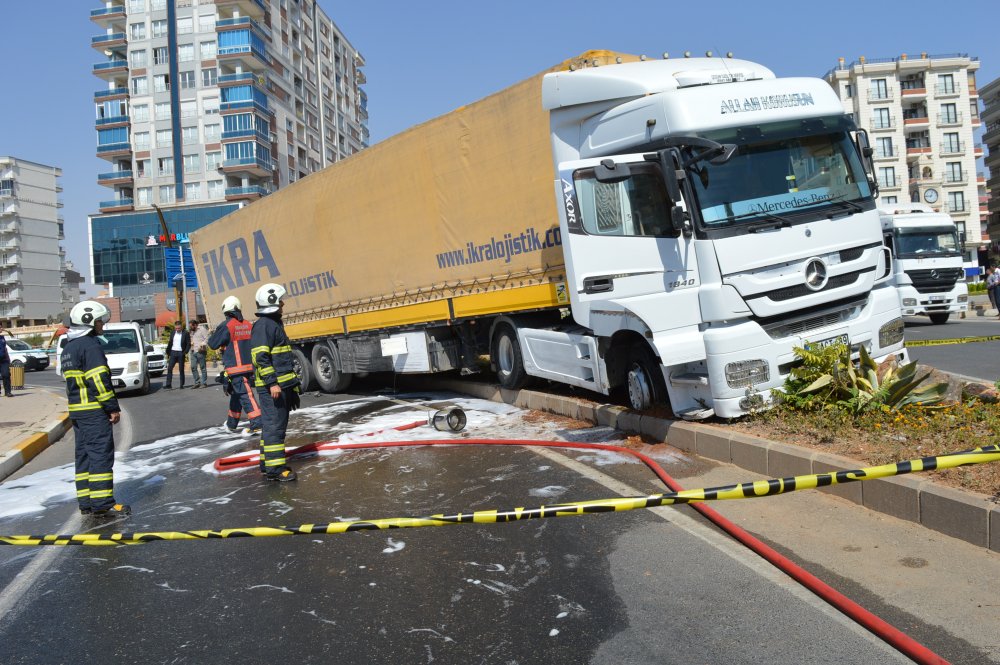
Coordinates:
(208, 106)
(990, 95)
(920, 113)
(32, 264)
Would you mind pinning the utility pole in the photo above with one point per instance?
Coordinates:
(179, 293)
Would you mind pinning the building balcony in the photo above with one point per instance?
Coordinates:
(10, 277)
(977, 150)
(957, 208)
(875, 95)
(953, 179)
(252, 193)
(243, 106)
(115, 40)
(992, 160)
(235, 22)
(111, 69)
(953, 148)
(889, 153)
(258, 166)
(107, 15)
(114, 178)
(244, 134)
(104, 95)
(249, 52)
(11, 260)
(992, 132)
(916, 123)
(947, 91)
(923, 182)
(252, 8)
(242, 78)
(890, 183)
(9, 226)
(9, 209)
(949, 119)
(114, 150)
(10, 243)
(881, 124)
(918, 150)
(117, 205)
(913, 93)
(6, 192)
(114, 121)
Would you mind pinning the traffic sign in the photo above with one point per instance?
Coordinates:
(173, 258)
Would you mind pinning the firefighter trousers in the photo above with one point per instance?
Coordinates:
(95, 455)
(243, 398)
(274, 422)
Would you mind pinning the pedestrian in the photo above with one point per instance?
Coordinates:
(198, 353)
(93, 409)
(232, 335)
(5, 365)
(177, 348)
(275, 379)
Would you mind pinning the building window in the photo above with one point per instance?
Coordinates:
(216, 189)
(187, 80)
(192, 191)
(953, 172)
(212, 132)
(185, 26)
(189, 135)
(145, 196)
(208, 50)
(165, 165)
(164, 138)
(887, 176)
(192, 163)
(889, 200)
(209, 77)
(140, 113)
(946, 84)
(879, 89)
(166, 193)
(185, 52)
(136, 6)
(142, 167)
(212, 161)
(883, 147)
(210, 105)
(160, 55)
(161, 110)
(206, 23)
(159, 28)
(158, 4)
(956, 201)
(881, 118)
(951, 144)
(141, 140)
(161, 83)
(949, 113)
(138, 59)
(189, 108)
(137, 31)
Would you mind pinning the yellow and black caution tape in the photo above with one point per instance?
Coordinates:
(953, 340)
(749, 490)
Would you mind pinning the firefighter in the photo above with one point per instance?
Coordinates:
(93, 409)
(275, 379)
(233, 336)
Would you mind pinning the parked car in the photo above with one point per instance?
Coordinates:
(21, 353)
(156, 360)
(126, 353)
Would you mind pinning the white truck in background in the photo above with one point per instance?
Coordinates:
(670, 228)
(927, 258)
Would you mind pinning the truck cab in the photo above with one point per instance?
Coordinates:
(927, 260)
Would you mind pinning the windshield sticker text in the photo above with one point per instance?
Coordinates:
(764, 103)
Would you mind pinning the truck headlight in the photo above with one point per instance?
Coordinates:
(747, 373)
(963, 298)
(909, 302)
(133, 367)
(891, 333)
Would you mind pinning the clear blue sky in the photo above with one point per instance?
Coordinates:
(426, 58)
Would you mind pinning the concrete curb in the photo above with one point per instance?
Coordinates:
(968, 516)
(28, 448)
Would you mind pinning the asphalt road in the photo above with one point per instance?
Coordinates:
(639, 587)
(980, 360)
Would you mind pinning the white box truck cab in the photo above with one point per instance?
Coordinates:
(713, 218)
(126, 352)
(927, 260)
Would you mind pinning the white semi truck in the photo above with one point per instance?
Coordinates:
(669, 228)
(927, 260)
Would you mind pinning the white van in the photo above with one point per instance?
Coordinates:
(126, 352)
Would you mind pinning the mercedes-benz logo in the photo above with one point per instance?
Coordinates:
(935, 275)
(816, 277)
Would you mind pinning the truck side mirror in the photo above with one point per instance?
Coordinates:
(866, 153)
(670, 160)
(609, 172)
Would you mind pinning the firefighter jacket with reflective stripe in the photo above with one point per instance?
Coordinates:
(88, 377)
(271, 351)
(234, 335)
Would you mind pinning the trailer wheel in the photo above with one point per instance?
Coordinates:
(644, 380)
(303, 369)
(324, 366)
(939, 318)
(508, 360)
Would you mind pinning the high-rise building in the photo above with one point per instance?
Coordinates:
(990, 94)
(208, 106)
(920, 113)
(32, 263)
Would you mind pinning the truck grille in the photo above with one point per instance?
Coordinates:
(935, 280)
(779, 328)
(801, 290)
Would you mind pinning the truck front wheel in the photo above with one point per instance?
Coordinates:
(644, 379)
(324, 365)
(507, 359)
(939, 318)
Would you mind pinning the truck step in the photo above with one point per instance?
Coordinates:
(696, 413)
(689, 379)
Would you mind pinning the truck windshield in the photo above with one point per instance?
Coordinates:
(119, 341)
(927, 242)
(791, 170)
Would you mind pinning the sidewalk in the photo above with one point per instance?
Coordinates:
(30, 422)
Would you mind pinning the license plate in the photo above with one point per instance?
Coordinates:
(118, 383)
(937, 297)
(830, 341)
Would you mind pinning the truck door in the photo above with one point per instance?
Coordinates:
(622, 253)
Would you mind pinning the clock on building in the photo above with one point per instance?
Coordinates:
(931, 196)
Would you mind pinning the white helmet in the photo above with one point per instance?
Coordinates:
(269, 297)
(87, 313)
(230, 304)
